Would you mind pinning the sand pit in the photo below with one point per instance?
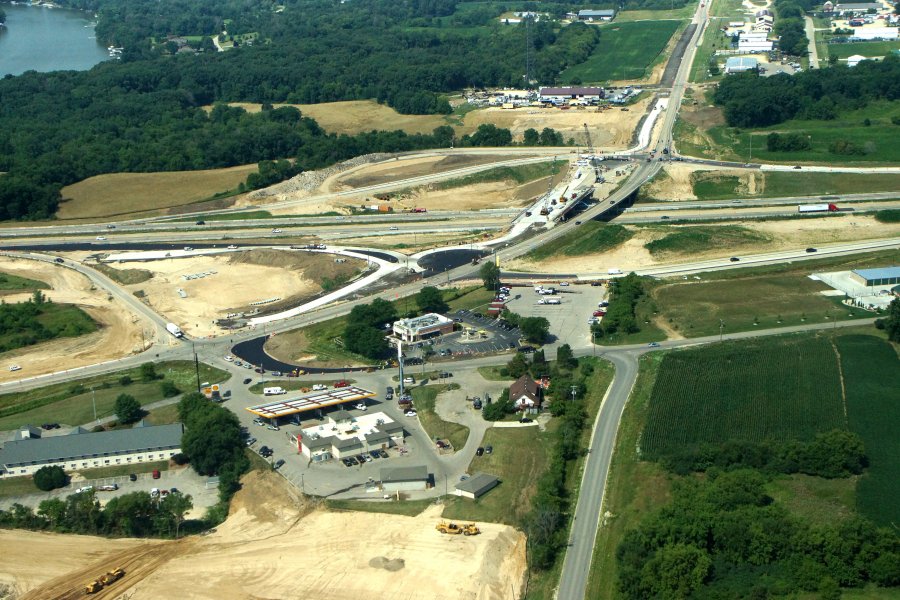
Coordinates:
(271, 546)
(119, 333)
(784, 235)
(230, 283)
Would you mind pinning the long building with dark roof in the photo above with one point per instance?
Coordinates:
(87, 450)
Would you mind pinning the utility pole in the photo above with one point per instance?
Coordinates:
(196, 365)
(721, 328)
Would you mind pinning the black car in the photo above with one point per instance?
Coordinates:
(524, 420)
(132, 477)
(375, 454)
(59, 260)
(488, 449)
(811, 250)
(346, 462)
(279, 463)
(248, 381)
(734, 259)
(201, 222)
(352, 460)
(480, 451)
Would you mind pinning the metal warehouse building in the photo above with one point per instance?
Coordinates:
(404, 479)
(879, 276)
(739, 64)
(476, 486)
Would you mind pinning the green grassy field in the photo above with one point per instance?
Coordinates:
(686, 240)
(590, 237)
(124, 276)
(815, 499)
(713, 186)
(57, 320)
(72, 403)
(877, 140)
(437, 428)
(869, 49)
(14, 283)
(872, 380)
(122, 470)
(713, 39)
(626, 51)
(754, 390)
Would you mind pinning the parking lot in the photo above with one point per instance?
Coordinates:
(570, 318)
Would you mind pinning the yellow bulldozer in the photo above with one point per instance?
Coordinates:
(104, 580)
(454, 529)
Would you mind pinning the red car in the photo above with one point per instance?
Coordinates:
(599, 313)
(340, 384)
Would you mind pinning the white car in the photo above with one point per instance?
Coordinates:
(232, 247)
(273, 428)
(15, 368)
(188, 249)
(154, 492)
(276, 230)
(319, 387)
(86, 488)
(393, 228)
(361, 406)
(410, 413)
(100, 238)
(563, 284)
(229, 358)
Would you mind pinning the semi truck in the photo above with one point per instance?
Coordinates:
(174, 330)
(813, 208)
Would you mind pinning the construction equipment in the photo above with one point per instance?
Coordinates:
(454, 529)
(112, 576)
(93, 587)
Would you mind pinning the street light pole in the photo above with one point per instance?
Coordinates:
(721, 327)
(574, 388)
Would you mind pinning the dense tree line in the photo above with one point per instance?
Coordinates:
(624, 294)
(364, 333)
(787, 142)
(891, 323)
(134, 515)
(21, 324)
(213, 441)
(753, 101)
(831, 454)
(723, 537)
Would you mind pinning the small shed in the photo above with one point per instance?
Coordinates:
(477, 486)
(404, 479)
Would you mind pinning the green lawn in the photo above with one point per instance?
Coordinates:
(679, 14)
(626, 51)
(294, 384)
(123, 470)
(588, 238)
(73, 403)
(869, 49)
(815, 499)
(713, 39)
(164, 415)
(437, 428)
(877, 140)
(493, 374)
(15, 283)
(410, 508)
(714, 186)
(633, 488)
(17, 486)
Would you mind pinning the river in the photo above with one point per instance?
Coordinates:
(47, 39)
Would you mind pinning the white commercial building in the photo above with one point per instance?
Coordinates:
(565, 94)
(754, 41)
(855, 60)
(81, 449)
(344, 435)
(419, 328)
(875, 33)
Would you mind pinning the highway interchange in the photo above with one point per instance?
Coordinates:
(165, 232)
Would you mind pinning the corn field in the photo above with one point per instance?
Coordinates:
(753, 390)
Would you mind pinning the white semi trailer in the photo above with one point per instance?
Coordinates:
(174, 330)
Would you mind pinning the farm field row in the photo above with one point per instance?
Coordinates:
(626, 51)
(786, 388)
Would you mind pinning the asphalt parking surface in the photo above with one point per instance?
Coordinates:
(568, 319)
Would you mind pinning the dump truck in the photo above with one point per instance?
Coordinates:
(809, 208)
(174, 330)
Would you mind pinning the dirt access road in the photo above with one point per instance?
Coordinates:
(275, 544)
(119, 332)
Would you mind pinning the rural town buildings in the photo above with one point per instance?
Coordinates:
(565, 94)
(525, 393)
(740, 64)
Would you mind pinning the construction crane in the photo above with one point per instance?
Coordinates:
(590, 146)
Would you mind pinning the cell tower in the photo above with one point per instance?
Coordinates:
(529, 52)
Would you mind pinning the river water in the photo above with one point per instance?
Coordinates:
(47, 39)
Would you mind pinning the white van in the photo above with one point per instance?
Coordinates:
(273, 391)
(409, 380)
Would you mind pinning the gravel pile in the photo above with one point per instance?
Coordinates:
(309, 181)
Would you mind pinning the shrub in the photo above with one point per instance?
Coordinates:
(125, 380)
(128, 409)
(50, 478)
(169, 389)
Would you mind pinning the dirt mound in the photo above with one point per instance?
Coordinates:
(323, 265)
(388, 564)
